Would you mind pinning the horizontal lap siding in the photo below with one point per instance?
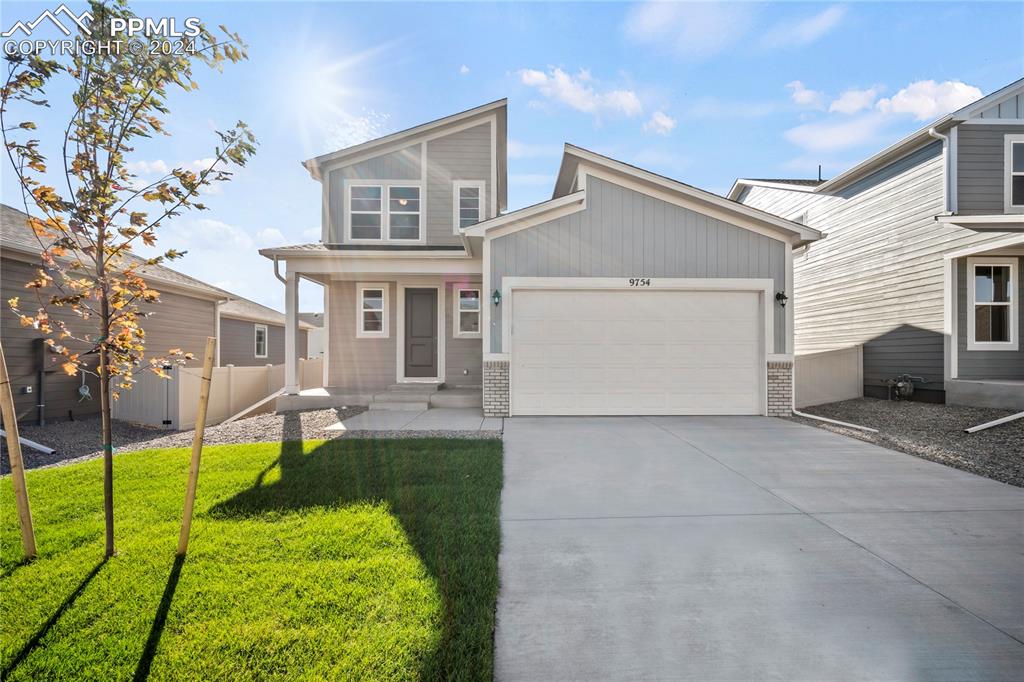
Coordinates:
(178, 321)
(359, 365)
(623, 233)
(981, 168)
(877, 277)
(988, 364)
(238, 343)
(461, 354)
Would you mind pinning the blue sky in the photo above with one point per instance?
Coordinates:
(699, 92)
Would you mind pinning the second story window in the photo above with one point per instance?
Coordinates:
(384, 212)
(468, 202)
(1014, 189)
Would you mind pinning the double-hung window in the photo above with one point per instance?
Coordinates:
(260, 341)
(467, 312)
(992, 319)
(371, 311)
(1013, 191)
(468, 203)
(384, 211)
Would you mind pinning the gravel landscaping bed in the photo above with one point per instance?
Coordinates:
(934, 432)
(79, 440)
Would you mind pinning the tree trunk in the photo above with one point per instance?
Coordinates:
(108, 453)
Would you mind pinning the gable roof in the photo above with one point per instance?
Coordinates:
(412, 135)
(909, 143)
(17, 236)
(574, 155)
(244, 309)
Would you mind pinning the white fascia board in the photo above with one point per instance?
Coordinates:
(697, 197)
(529, 216)
(401, 138)
(385, 266)
(287, 255)
(998, 222)
(988, 101)
(740, 183)
(1005, 242)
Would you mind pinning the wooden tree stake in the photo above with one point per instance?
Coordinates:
(197, 445)
(28, 535)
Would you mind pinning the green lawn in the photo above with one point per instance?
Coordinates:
(353, 559)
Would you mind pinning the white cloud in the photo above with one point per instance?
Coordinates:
(712, 107)
(525, 150)
(660, 123)
(688, 30)
(805, 31)
(832, 135)
(578, 93)
(157, 167)
(352, 130)
(805, 97)
(463, 70)
(927, 99)
(270, 236)
(853, 100)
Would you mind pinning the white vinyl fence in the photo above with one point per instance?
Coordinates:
(828, 377)
(172, 403)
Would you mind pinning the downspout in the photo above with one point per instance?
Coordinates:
(277, 272)
(945, 167)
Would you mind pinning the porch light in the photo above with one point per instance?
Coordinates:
(496, 297)
(781, 297)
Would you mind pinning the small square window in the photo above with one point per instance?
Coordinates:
(468, 202)
(372, 311)
(467, 312)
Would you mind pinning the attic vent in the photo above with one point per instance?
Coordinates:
(802, 218)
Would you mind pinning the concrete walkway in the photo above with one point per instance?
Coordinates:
(750, 548)
(435, 419)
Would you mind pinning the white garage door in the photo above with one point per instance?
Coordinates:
(587, 352)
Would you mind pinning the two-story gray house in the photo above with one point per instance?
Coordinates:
(625, 293)
(924, 256)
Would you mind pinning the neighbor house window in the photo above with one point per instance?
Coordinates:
(1014, 160)
(372, 311)
(467, 312)
(468, 202)
(384, 211)
(992, 304)
(261, 340)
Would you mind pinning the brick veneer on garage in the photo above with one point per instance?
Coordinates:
(496, 388)
(780, 389)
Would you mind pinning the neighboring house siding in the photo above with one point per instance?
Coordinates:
(461, 354)
(623, 233)
(877, 277)
(980, 167)
(238, 343)
(403, 164)
(178, 321)
(465, 155)
(359, 364)
(981, 364)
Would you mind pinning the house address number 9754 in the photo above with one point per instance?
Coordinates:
(639, 281)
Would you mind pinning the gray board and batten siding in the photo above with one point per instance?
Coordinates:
(625, 233)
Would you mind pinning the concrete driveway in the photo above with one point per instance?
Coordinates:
(733, 548)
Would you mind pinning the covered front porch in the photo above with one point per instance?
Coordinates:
(984, 324)
(402, 326)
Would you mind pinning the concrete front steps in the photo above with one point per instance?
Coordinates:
(424, 396)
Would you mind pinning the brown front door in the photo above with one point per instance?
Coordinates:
(420, 333)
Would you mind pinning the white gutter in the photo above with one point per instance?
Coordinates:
(277, 272)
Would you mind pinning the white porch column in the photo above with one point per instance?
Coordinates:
(291, 333)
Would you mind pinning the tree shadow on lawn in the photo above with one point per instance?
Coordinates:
(445, 494)
(45, 628)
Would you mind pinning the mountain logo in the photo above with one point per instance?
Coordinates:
(80, 21)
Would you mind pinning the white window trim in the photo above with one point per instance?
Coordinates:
(385, 221)
(1013, 343)
(456, 188)
(419, 214)
(1009, 141)
(385, 331)
(256, 343)
(457, 312)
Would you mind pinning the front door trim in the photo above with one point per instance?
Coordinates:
(417, 283)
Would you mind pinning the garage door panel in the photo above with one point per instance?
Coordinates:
(636, 352)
